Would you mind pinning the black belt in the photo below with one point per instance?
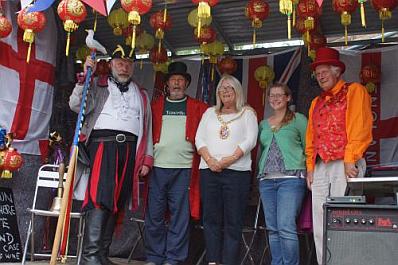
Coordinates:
(120, 138)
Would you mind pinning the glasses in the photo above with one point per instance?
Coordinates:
(276, 96)
(226, 88)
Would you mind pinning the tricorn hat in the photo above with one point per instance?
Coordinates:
(178, 68)
(120, 52)
(328, 56)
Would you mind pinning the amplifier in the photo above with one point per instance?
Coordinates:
(358, 234)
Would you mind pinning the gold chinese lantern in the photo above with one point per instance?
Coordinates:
(135, 9)
(345, 8)
(193, 19)
(117, 19)
(214, 50)
(310, 11)
(145, 43)
(204, 11)
(31, 23)
(82, 53)
(384, 7)
(257, 11)
(370, 76)
(161, 67)
(264, 75)
(72, 13)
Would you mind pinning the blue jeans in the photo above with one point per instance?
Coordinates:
(282, 199)
(224, 200)
(168, 190)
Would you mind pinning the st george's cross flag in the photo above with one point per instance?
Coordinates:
(384, 148)
(27, 88)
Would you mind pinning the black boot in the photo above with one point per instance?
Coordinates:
(107, 234)
(94, 226)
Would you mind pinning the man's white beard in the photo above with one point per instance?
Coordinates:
(120, 79)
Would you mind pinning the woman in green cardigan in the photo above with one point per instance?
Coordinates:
(281, 176)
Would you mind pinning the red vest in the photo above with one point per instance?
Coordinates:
(329, 125)
(195, 110)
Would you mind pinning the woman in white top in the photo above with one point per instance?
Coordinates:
(226, 135)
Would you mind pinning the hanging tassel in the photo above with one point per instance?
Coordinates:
(362, 8)
(382, 31)
(345, 21)
(133, 37)
(95, 20)
(254, 37)
(294, 15)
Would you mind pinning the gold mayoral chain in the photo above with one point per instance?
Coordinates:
(224, 129)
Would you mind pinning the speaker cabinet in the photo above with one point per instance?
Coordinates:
(360, 234)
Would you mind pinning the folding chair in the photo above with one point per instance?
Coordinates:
(253, 230)
(48, 178)
(140, 226)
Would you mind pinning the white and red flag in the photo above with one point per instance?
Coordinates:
(26, 89)
(384, 148)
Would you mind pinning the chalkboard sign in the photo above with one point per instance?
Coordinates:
(10, 242)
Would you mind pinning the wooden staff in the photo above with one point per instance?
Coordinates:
(63, 223)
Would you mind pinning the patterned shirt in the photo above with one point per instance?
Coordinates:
(275, 164)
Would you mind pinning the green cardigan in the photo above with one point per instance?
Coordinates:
(290, 139)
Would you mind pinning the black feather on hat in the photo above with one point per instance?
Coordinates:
(178, 68)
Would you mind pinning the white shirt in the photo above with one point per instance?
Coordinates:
(242, 132)
(121, 110)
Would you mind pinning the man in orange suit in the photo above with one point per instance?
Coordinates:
(339, 132)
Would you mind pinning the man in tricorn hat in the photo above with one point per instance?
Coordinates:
(174, 181)
(118, 136)
(339, 132)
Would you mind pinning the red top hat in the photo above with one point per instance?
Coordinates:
(329, 56)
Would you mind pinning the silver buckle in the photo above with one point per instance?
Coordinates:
(120, 138)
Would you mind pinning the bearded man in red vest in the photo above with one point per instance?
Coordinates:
(339, 132)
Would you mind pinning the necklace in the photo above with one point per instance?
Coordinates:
(224, 129)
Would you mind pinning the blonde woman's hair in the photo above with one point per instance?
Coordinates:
(240, 98)
(289, 114)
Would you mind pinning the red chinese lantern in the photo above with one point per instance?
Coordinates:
(12, 161)
(72, 13)
(310, 11)
(257, 11)
(318, 40)
(135, 8)
(5, 26)
(227, 65)
(158, 57)
(345, 8)
(384, 7)
(160, 22)
(204, 11)
(207, 35)
(31, 23)
(300, 28)
(370, 76)
(102, 68)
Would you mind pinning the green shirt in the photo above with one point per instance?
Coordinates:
(173, 150)
(290, 139)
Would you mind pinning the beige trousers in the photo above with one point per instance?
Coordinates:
(327, 175)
